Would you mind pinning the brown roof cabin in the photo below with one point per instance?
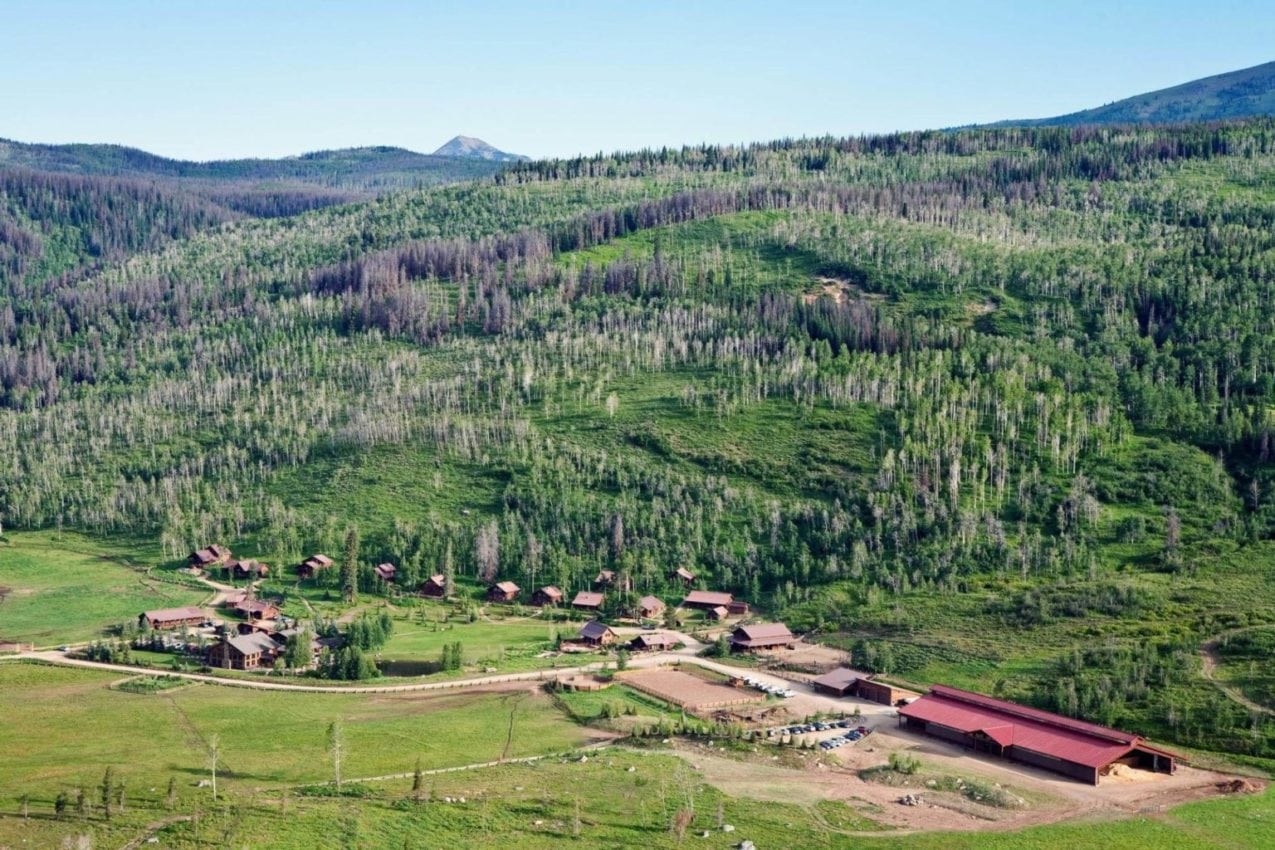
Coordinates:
(721, 612)
(249, 627)
(385, 572)
(587, 600)
(654, 642)
(433, 586)
(247, 569)
(610, 578)
(650, 606)
(596, 634)
(205, 558)
(234, 597)
(707, 599)
(505, 591)
(171, 618)
(684, 575)
(313, 565)
(243, 652)
(255, 609)
(737, 608)
(547, 595)
(761, 636)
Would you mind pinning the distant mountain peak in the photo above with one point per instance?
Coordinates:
(468, 147)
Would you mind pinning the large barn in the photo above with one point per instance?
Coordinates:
(1071, 747)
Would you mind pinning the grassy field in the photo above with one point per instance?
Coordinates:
(498, 643)
(64, 727)
(66, 588)
(617, 798)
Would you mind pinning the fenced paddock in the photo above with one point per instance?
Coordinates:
(686, 691)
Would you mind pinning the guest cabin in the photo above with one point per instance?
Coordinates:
(587, 600)
(594, 633)
(386, 572)
(650, 607)
(246, 569)
(547, 596)
(505, 591)
(313, 565)
(435, 586)
(212, 556)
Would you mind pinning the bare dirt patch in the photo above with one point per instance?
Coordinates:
(839, 291)
(690, 692)
(808, 657)
(800, 776)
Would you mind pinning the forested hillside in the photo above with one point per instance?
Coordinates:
(1005, 374)
(257, 187)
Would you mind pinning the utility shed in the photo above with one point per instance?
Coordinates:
(840, 681)
(1074, 748)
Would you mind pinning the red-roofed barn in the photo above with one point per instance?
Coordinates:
(1071, 747)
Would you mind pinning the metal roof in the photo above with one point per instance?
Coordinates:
(594, 630)
(1010, 724)
(762, 631)
(840, 678)
(707, 597)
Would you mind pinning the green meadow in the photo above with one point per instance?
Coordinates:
(66, 588)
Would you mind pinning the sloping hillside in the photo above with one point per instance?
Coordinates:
(1237, 94)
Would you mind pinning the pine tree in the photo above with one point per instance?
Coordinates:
(350, 567)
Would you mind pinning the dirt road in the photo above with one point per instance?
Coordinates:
(1209, 663)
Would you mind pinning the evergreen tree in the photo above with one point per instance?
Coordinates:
(350, 567)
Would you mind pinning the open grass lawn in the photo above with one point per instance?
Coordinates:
(588, 706)
(63, 727)
(483, 640)
(68, 588)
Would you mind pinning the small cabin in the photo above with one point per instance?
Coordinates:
(205, 558)
(546, 596)
(505, 591)
(433, 586)
(588, 600)
(595, 633)
(313, 565)
(650, 607)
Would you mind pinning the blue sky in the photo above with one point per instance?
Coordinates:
(225, 78)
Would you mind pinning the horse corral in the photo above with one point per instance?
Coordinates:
(689, 692)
